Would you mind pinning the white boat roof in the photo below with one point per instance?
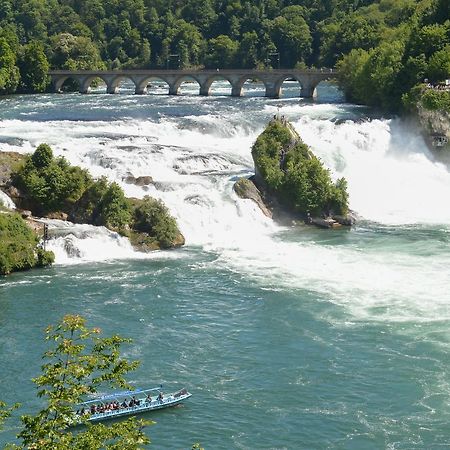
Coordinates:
(121, 394)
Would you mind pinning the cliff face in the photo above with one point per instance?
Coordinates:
(435, 126)
(432, 112)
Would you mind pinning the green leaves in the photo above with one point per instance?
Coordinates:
(9, 73)
(18, 246)
(51, 183)
(34, 67)
(294, 175)
(79, 362)
(153, 218)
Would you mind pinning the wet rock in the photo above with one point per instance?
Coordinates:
(139, 181)
(245, 188)
(57, 215)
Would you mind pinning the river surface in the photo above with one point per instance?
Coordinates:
(288, 338)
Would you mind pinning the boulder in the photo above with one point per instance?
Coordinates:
(347, 220)
(324, 223)
(139, 181)
(57, 215)
(245, 188)
(26, 214)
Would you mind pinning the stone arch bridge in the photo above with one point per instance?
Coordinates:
(272, 79)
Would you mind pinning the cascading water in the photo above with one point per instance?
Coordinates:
(6, 201)
(337, 338)
(194, 158)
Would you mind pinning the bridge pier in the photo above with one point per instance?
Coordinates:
(307, 91)
(174, 89)
(140, 91)
(205, 89)
(273, 92)
(112, 89)
(236, 90)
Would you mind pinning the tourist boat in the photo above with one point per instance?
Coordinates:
(127, 403)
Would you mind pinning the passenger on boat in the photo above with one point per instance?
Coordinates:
(148, 399)
(134, 402)
(160, 397)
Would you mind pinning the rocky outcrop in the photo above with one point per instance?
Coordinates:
(290, 184)
(435, 126)
(9, 161)
(245, 188)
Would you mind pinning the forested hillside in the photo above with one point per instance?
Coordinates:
(384, 47)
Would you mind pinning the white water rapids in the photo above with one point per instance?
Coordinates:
(393, 182)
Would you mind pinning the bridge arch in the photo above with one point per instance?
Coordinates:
(205, 87)
(176, 84)
(238, 86)
(113, 84)
(143, 83)
(280, 81)
(72, 81)
(85, 82)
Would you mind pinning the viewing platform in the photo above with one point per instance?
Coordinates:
(272, 79)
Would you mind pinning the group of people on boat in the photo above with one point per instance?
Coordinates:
(101, 408)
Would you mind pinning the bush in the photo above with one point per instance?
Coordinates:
(19, 246)
(42, 157)
(103, 203)
(114, 209)
(52, 184)
(152, 217)
(436, 100)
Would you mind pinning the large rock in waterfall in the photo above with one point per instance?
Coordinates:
(291, 183)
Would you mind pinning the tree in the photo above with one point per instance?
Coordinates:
(78, 363)
(33, 66)
(19, 246)
(439, 65)
(153, 218)
(291, 36)
(9, 73)
(114, 209)
(75, 53)
(42, 156)
(51, 183)
(248, 50)
(221, 52)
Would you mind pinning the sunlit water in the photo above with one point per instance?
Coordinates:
(288, 338)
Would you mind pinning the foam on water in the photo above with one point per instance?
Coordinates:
(6, 201)
(194, 160)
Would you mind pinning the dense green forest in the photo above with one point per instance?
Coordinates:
(383, 47)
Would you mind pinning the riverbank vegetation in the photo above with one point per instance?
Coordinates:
(51, 186)
(382, 47)
(19, 245)
(288, 171)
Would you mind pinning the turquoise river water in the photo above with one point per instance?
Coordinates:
(288, 338)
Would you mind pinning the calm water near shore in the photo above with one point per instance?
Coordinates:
(288, 338)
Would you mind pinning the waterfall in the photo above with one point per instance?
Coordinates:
(6, 201)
